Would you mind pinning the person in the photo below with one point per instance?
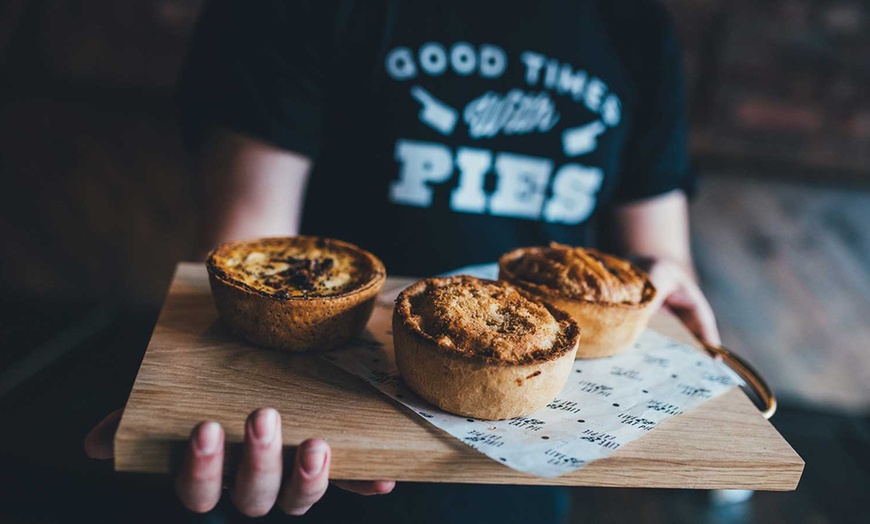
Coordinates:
(436, 135)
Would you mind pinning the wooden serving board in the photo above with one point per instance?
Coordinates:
(194, 370)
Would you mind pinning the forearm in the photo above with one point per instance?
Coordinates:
(252, 188)
(657, 228)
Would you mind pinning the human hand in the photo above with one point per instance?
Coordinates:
(678, 291)
(260, 481)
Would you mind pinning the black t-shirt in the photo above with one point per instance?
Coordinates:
(447, 132)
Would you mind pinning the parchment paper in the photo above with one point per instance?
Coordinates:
(606, 403)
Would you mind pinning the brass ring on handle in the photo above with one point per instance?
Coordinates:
(766, 400)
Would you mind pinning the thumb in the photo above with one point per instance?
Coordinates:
(665, 277)
(690, 305)
(100, 441)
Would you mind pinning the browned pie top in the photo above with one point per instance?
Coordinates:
(295, 267)
(585, 274)
(486, 319)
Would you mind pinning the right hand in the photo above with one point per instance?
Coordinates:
(260, 482)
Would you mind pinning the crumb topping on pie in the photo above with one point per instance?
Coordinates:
(296, 267)
(486, 319)
(581, 273)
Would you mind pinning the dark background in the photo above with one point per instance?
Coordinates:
(99, 200)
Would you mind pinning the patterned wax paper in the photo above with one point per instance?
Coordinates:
(606, 404)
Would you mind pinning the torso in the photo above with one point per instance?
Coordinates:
(457, 135)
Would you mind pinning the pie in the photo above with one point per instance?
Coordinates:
(480, 348)
(297, 293)
(610, 298)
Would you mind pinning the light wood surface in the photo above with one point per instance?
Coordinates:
(194, 370)
(787, 269)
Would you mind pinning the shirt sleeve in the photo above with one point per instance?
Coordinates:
(656, 158)
(257, 67)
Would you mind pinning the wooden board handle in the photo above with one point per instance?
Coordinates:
(766, 401)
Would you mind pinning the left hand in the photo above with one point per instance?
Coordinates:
(258, 482)
(679, 292)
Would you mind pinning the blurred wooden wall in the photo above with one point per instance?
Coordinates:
(780, 83)
(100, 199)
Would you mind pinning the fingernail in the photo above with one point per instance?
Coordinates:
(313, 459)
(265, 425)
(208, 437)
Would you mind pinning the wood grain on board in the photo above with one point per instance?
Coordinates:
(194, 370)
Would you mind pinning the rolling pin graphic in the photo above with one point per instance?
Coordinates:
(435, 113)
(581, 140)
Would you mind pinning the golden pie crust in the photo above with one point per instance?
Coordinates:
(610, 298)
(480, 348)
(295, 293)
